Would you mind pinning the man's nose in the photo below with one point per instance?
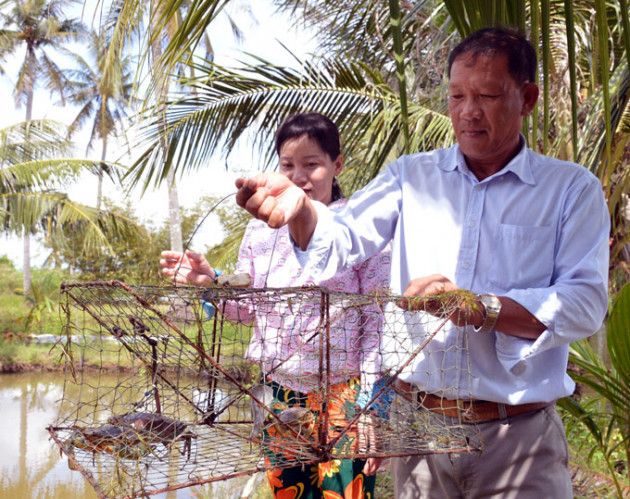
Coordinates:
(471, 108)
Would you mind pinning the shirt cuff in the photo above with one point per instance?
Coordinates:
(318, 250)
(512, 351)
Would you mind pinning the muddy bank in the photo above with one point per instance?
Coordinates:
(26, 367)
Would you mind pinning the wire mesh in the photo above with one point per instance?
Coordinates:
(181, 395)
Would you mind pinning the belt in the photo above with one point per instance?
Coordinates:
(469, 411)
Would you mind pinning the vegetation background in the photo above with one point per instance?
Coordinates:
(376, 68)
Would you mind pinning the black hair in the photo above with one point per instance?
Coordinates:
(491, 41)
(315, 126)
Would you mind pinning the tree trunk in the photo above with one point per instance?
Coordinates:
(99, 189)
(26, 256)
(174, 216)
(26, 263)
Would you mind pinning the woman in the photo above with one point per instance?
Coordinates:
(309, 154)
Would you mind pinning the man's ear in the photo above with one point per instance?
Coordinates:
(530, 96)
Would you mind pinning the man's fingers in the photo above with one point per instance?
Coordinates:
(248, 187)
(261, 205)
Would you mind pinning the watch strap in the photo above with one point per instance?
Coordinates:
(491, 314)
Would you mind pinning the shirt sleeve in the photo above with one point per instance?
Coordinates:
(360, 229)
(575, 304)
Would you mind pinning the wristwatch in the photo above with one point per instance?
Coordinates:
(492, 306)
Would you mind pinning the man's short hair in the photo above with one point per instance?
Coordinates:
(491, 41)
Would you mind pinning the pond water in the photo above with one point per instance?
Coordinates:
(30, 463)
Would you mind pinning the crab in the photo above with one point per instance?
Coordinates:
(110, 439)
(132, 435)
(155, 428)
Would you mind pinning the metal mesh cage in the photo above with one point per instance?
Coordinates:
(183, 390)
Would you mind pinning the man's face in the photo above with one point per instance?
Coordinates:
(487, 107)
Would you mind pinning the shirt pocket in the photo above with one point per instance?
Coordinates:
(522, 257)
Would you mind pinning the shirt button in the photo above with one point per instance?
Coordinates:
(466, 265)
(471, 223)
(477, 187)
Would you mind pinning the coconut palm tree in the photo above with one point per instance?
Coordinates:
(162, 23)
(103, 97)
(33, 176)
(38, 26)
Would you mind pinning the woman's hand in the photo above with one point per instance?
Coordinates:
(187, 268)
(367, 443)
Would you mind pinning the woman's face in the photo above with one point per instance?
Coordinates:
(309, 167)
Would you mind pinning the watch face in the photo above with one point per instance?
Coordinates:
(493, 306)
(491, 302)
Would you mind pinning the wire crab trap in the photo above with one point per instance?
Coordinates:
(184, 392)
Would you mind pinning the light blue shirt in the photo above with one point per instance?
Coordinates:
(537, 232)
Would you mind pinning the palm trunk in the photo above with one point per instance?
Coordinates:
(99, 189)
(26, 256)
(174, 216)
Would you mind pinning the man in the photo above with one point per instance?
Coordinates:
(527, 233)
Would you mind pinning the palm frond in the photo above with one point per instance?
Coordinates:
(32, 140)
(226, 102)
(53, 173)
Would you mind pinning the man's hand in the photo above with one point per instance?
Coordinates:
(270, 197)
(273, 198)
(187, 268)
(422, 289)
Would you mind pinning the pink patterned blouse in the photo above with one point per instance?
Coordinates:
(285, 342)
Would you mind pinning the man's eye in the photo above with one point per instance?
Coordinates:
(489, 96)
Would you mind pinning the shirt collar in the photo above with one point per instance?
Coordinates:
(519, 165)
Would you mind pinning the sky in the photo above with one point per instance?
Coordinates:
(265, 32)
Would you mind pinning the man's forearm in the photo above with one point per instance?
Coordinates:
(516, 320)
(303, 225)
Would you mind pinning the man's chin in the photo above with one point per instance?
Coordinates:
(475, 150)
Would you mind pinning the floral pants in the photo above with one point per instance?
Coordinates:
(336, 479)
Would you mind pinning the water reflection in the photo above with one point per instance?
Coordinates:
(30, 463)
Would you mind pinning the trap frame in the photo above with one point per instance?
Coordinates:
(178, 400)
